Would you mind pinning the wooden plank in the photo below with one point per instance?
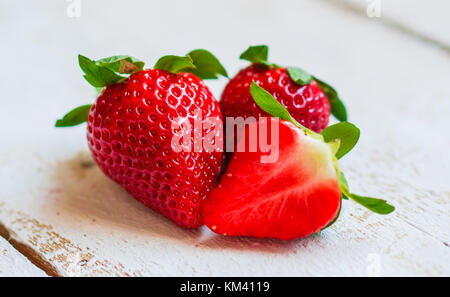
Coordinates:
(13, 263)
(81, 223)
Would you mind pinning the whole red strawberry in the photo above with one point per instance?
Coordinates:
(133, 121)
(290, 191)
(307, 98)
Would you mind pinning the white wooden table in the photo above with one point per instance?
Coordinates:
(393, 73)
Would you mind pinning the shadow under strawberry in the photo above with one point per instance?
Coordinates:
(85, 194)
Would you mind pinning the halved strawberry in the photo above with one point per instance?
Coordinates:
(297, 193)
(292, 197)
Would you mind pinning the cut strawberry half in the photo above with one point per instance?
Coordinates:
(295, 194)
(292, 197)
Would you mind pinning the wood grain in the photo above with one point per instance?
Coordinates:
(14, 264)
(424, 20)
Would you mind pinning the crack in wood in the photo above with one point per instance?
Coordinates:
(29, 253)
(424, 231)
(60, 257)
(407, 30)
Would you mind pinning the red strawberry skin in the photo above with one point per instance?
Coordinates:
(290, 198)
(307, 104)
(130, 133)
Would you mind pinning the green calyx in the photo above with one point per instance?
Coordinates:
(258, 54)
(100, 73)
(299, 76)
(112, 70)
(74, 117)
(200, 62)
(336, 105)
(107, 71)
(346, 132)
(341, 138)
(207, 66)
(174, 64)
(376, 205)
(115, 69)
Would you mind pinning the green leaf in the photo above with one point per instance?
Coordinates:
(270, 105)
(104, 72)
(96, 75)
(346, 132)
(299, 76)
(337, 106)
(75, 117)
(256, 54)
(343, 185)
(207, 65)
(121, 64)
(174, 64)
(376, 205)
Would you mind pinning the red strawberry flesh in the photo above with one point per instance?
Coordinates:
(290, 198)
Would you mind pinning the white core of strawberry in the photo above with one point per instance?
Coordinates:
(314, 156)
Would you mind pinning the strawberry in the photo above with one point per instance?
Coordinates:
(130, 129)
(308, 99)
(297, 194)
(257, 199)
